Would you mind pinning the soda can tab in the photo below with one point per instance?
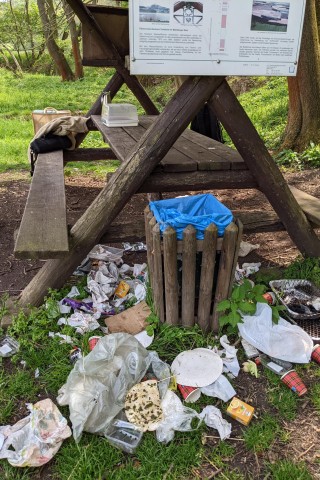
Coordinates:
(93, 342)
(75, 354)
(122, 289)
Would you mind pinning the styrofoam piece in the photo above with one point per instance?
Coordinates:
(197, 368)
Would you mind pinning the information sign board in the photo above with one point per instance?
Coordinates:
(215, 37)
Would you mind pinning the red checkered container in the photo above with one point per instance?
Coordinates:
(189, 394)
(315, 355)
(294, 382)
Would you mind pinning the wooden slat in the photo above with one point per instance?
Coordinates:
(119, 140)
(202, 157)
(147, 217)
(206, 279)
(174, 161)
(221, 150)
(158, 290)
(199, 180)
(236, 254)
(188, 276)
(43, 231)
(309, 204)
(225, 269)
(171, 276)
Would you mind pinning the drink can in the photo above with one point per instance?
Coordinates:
(75, 354)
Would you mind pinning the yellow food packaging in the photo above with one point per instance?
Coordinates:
(122, 289)
(240, 411)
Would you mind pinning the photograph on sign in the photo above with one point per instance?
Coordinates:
(215, 37)
(270, 16)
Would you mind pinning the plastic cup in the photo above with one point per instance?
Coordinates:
(189, 394)
(93, 342)
(294, 382)
(315, 355)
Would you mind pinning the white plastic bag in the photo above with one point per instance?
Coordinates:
(221, 388)
(283, 341)
(96, 387)
(213, 419)
(176, 417)
(34, 440)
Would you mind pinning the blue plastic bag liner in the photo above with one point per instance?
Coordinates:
(196, 210)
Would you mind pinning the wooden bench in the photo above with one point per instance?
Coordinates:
(309, 204)
(193, 163)
(43, 231)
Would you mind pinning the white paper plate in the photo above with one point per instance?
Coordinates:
(197, 368)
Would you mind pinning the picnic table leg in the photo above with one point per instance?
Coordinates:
(147, 153)
(264, 169)
(113, 86)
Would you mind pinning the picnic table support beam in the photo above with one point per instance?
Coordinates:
(113, 86)
(86, 17)
(264, 169)
(147, 153)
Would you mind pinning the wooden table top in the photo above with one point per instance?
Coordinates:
(191, 152)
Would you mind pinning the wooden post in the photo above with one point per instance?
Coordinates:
(86, 17)
(147, 217)
(147, 153)
(225, 269)
(158, 290)
(236, 254)
(189, 256)
(270, 180)
(206, 279)
(113, 86)
(171, 276)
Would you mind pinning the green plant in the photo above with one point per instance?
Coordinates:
(260, 435)
(153, 323)
(304, 268)
(243, 300)
(287, 470)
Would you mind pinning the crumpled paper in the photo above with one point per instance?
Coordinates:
(229, 357)
(34, 440)
(82, 322)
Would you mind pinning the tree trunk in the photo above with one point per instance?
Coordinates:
(78, 68)
(54, 50)
(303, 124)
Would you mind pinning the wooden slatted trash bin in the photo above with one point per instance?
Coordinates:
(190, 277)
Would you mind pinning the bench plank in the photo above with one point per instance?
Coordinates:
(174, 161)
(309, 204)
(202, 158)
(43, 232)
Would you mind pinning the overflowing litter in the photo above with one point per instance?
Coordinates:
(120, 390)
(34, 440)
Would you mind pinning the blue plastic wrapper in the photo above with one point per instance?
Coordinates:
(197, 210)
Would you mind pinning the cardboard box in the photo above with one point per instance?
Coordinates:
(240, 411)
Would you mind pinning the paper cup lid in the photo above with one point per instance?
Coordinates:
(197, 368)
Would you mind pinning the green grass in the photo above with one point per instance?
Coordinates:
(260, 435)
(287, 470)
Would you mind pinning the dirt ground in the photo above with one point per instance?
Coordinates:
(276, 249)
